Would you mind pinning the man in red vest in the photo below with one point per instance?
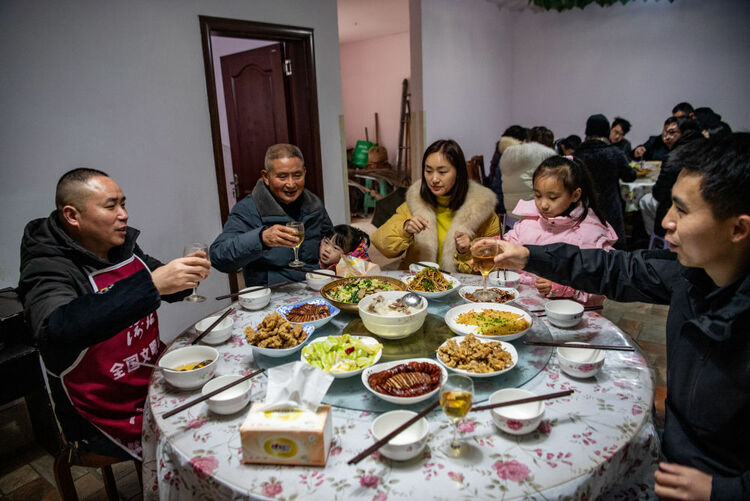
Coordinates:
(90, 296)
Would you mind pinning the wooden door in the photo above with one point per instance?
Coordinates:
(256, 103)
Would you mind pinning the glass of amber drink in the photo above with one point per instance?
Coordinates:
(456, 396)
(483, 252)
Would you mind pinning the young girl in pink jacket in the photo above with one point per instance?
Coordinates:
(564, 210)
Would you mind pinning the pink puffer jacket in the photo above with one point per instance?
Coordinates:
(534, 229)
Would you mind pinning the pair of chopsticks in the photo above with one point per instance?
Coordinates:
(584, 346)
(326, 274)
(253, 289)
(213, 325)
(377, 445)
(542, 313)
(205, 397)
(421, 263)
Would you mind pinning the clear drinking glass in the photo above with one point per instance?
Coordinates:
(300, 228)
(189, 249)
(483, 252)
(456, 397)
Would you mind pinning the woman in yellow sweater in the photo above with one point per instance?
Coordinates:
(443, 212)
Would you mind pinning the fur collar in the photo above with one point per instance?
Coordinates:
(268, 206)
(478, 207)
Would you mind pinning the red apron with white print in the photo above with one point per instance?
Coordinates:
(106, 384)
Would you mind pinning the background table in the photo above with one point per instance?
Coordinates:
(600, 439)
(633, 191)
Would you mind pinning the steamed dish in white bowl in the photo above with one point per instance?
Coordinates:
(386, 315)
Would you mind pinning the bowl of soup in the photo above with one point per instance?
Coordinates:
(385, 315)
(189, 367)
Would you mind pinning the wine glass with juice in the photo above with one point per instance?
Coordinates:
(483, 252)
(299, 227)
(456, 397)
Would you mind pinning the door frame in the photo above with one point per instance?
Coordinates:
(237, 28)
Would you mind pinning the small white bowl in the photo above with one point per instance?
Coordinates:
(332, 311)
(516, 419)
(219, 334)
(285, 352)
(509, 279)
(402, 400)
(230, 400)
(580, 362)
(189, 380)
(395, 327)
(563, 312)
(315, 282)
(255, 300)
(415, 268)
(406, 445)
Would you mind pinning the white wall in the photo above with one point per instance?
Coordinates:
(636, 60)
(466, 73)
(120, 86)
(372, 72)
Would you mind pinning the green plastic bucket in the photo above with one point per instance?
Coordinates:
(359, 157)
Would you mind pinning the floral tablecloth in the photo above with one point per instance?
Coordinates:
(600, 441)
(633, 191)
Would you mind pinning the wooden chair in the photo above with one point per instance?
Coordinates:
(70, 455)
(475, 168)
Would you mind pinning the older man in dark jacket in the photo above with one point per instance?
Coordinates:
(256, 237)
(607, 164)
(707, 286)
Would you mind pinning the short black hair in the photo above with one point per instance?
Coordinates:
(455, 156)
(517, 132)
(624, 124)
(686, 124)
(348, 237)
(684, 107)
(67, 191)
(724, 164)
(573, 141)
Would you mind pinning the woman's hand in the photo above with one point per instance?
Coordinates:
(512, 256)
(463, 242)
(674, 481)
(543, 286)
(415, 225)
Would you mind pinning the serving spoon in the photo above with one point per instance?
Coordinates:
(412, 299)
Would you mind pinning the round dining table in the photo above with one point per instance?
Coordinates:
(597, 442)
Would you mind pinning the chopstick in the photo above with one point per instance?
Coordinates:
(211, 327)
(546, 396)
(315, 272)
(542, 313)
(585, 346)
(380, 443)
(202, 398)
(252, 289)
(421, 263)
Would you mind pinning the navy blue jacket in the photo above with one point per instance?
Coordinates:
(708, 351)
(240, 244)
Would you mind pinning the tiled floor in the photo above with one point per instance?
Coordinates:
(26, 469)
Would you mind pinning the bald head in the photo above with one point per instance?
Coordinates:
(72, 189)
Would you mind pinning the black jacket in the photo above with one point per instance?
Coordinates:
(64, 313)
(625, 147)
(240, 244)
(708, 351)
(670, 169)
(656, 150)
(607, 164)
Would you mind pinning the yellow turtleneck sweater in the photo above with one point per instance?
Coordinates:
(444, 217)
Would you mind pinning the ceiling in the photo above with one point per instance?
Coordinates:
(363, 19)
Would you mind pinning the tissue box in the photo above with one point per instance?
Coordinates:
(287, 437)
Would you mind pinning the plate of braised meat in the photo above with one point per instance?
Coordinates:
(405, 381)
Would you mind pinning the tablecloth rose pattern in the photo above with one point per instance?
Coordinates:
(599, 441)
